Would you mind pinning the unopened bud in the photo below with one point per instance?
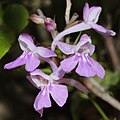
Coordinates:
(50, 24)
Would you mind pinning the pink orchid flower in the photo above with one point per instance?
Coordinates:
(31, 54)
(48, 86)
(90, 19)
(80, 55)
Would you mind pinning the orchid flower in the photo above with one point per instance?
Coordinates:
(48, 86)
(80, 55)
(31, 54)
(90, 19)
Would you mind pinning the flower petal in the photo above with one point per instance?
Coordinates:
(16, 63)
(26, 42)
(36, 81)
(102, 30)
(59, 93)
(76, 28)
(86, 12)
(94, 13)
(91, 48)
(40, 112)
(83, 40)
(69, 64)
(97, 67)
(50, 24)
(42, 100)
(66, 48)
(32, 62)
(40, 73)
(44, 52)
(84, 68)
(58, 73)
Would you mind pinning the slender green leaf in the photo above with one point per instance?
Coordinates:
(99, 109)
(6, 41)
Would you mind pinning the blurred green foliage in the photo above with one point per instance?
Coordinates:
(1, 14)
(16, 16)
(111, 79)
(13, 19)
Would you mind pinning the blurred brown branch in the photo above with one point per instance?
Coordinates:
(99, 91)
(112, 52)
(90, 85)
(111, 48)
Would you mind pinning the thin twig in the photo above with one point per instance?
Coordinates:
(111, 48)
(92, 86)
(112, 52)
(99, 91)
(67, 12)
(53, 34)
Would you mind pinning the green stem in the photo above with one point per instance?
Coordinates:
(115, 118)
(76, 41)
(99, 109)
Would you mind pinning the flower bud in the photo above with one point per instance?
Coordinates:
(50, 24)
